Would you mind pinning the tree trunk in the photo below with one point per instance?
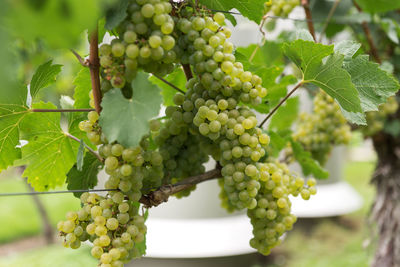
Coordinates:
(385, 212)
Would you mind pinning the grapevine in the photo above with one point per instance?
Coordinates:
(167, 93)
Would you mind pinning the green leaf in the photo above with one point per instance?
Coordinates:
(355, 117)
(127, 120)
(80, 155)
(11, 117)
(277, 142)
(378, 6)
(87, 177)
(60, 23)
(307, 163)
(177, 78)
(13, 111)
(279, 90)
(374, 85)
(116, 14)
(83, 86)
(348, 48)
(391, 28)
(328, 75)
(44, 76)
(285, 115)
(268, 55)
(252, 9)
(50, 153)
(304, 35)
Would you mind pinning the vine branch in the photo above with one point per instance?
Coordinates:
(310, 23)
(280, 103)
(162, 194)
(188, 71)
(62, 110)
(86, 146)
(94, 66)
(373, 50)
(168, 83)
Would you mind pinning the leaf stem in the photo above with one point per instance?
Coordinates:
(62, 110)
(168, 83)
(328, 19)
(188, 71)
(86, 146)
(373, 50)
(94, 66)
(162, 194)
(81, 60)
(281, 103)
(310, 23)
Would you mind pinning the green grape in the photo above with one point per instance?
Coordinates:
(325, 128)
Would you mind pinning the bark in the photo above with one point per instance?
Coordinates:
(385, 212)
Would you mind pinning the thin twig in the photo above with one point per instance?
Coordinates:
(373, 50)
(310, 23)
(328, 19)
(62, 110)
(162, 194)
(94, 65)
(86, 146)
(170, 84)
(280, 103)
(188, 71)
(84, 62)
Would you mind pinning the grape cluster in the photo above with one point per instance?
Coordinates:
(376, 119)
(111, 223)
(145, 42)
(271, 217)
(211, 118)
(281, 8)
(324, 128)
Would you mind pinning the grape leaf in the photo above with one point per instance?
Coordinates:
(85, 179)
(116, 14)
(373, 84)
(83, 86)
(277, 142)
(268, 55)
(11, 117)
(44, 76)
(50, 153)
(347, 48)
(127, 120)
(391, 28)
(377, 6)
(252, 9)
(307, 163)
(285, 115)
(177, 78)
(328, 75)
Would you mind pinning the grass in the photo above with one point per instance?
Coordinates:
(329, 242)
(51, 256)
(19, 215)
